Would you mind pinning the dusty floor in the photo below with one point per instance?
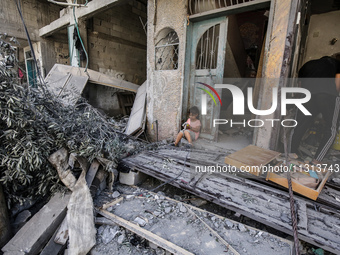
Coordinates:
(166, 219)
(177, 223)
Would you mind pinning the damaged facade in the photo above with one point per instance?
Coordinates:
(112, 32)
(176, 45)
(276, 36)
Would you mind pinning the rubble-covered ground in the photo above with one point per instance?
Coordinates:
(182, 226)
(173, 221)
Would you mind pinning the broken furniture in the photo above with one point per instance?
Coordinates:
(251, 158)
(307, 180)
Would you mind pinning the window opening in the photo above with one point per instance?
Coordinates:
(166, 52)
(206, 52)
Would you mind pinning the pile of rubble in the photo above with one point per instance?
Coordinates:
(175, 222)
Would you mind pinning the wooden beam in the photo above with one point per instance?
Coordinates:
(257, 201)
(91, 9)
(91, 173)
(161, 242)
(277, 41)
(53, 248)
(234, 9)
(35, 233)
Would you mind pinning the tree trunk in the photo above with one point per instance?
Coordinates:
(5, 228)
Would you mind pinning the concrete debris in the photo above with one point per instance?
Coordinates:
(110, 209)
(140, 221)
(38, 230)
(241, 227)
(157, 213)
(160, 251)
(100, 230)
(166, 219)
(182, 208)
(121, 239)
(130, 197)
(115, 194)
(336, 180)
(229, 224)
(252, 232)
(109, 234)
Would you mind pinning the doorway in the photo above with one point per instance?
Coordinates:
(224, 50)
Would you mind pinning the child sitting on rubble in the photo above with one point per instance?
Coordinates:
(191, 128)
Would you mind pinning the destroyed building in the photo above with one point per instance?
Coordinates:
(137, 41)
(112, 32)
(120, 52)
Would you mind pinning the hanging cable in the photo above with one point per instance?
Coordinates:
(291, 198)
(81, 41)
(42, 81)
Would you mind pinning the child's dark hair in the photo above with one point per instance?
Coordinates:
(194, 110)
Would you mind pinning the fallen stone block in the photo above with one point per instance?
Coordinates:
(131, 178)
(32, 237)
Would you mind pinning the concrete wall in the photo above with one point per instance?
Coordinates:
(117, 42)
(116, 47)
(36, 15)
(103, 98)
(322, 29)
(164, 89)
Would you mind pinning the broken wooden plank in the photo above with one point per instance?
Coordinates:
(98, 182)
(53, 248)
(35, 233)
(104, 221)
(116, 201)
(262, 203)
(62, 233)
(161, 242)
(82, 232)
(91, 173)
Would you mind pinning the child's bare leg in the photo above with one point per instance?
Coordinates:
(187, 136)
(179, 137)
